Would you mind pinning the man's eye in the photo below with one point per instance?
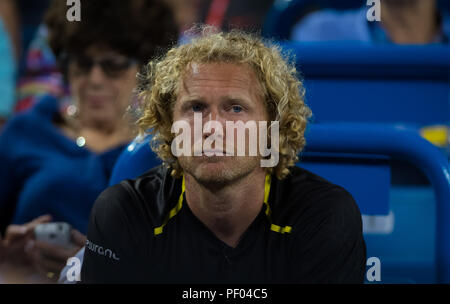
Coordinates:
(236, 109)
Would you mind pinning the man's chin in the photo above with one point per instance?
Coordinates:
(219, 170)
(212, 172)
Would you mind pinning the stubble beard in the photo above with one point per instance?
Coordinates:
(216, 171)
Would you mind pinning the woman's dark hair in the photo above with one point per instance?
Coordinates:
(139, 29)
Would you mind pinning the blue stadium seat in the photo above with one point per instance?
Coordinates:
(357, 156)
(416, 248)
(379, 84)
(134, 161)
(407, 86)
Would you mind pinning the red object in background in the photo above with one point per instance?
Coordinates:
(24, 104)
(216, 13)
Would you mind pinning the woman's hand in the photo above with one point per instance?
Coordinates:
(16, 238)
(50, 259)
(22, 255)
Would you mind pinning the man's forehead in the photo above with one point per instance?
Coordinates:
(220, 71)
(221, 74)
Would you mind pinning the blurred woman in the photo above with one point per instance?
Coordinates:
(401, 22)
(56, 159)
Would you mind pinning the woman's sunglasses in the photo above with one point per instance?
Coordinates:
(112, 66)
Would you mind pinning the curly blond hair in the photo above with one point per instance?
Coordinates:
(282, 90)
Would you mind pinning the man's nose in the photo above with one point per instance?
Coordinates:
(216, 115)
(213, 118)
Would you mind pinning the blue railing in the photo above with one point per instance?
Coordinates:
(400, 143)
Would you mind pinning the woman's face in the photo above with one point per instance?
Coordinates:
(101, 83)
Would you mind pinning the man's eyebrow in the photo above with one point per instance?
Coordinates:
(188, 102)
(191, 99)
(239, 100)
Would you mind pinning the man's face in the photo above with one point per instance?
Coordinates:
(220, 92)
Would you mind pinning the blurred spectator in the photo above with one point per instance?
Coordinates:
(41, 75)
(31, 13)
(21, 19)
(402, 21)
(9, 13)
(9, 50)
(228, 14)
(186, 13)
(223, 14)
(55, 159)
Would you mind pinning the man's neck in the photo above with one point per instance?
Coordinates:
(227, 210)
(410, 21)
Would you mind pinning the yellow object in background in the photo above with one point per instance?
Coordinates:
(437, 135)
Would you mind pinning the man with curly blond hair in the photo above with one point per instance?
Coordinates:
(211, 214)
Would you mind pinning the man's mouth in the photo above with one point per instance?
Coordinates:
(216, 152)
